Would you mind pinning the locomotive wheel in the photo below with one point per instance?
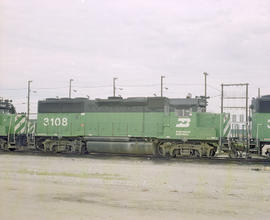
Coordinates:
(212, 153)
(195, 154)
(84, 150)
(4, 147)
(41, 147)
(159, 150)
(174, 153)
(54, 149)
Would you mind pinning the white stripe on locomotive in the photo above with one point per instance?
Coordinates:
(227, 125)
(20, 124)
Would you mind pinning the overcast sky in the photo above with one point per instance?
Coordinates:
(91, 42)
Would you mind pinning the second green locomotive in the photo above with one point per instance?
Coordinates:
(15, 130)
(260, 127)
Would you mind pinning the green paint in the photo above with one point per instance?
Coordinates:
(201, 126)
(261, 125)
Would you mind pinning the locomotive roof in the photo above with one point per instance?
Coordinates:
(109, 101)
(112, 104)
(7, 106)
(187, 101)
(262, 104)
(265, 97)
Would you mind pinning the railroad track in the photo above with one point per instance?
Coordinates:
(214, 160)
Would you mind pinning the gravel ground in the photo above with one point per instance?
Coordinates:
(49, 187)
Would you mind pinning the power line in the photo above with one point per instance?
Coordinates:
(93, 87)
(213, 87)
(148, 85)
(50, 88)
(14, 89)
(108, 86)
(215, 96)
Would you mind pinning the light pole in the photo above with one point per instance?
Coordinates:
(247, 122)
(205, 83)
(205, 87)
(69, 95)
(257, 138)
(161, 85)
(28, 99)
(114, 87)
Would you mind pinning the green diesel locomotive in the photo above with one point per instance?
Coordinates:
(138, 125)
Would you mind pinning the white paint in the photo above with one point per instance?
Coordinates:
(19, 124)
(268, 123)
(55, 122)
(182, 133)
(184, 123)
(266, 148)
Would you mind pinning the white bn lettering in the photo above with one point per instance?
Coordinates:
(184, 123)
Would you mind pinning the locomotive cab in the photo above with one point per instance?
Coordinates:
(6, 107)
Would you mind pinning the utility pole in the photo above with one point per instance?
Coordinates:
(205, 87)
(222, 98)
(247, 122)
(161, 85)
(28, 99)
(69, 95)
(220, 119)
(114, 87)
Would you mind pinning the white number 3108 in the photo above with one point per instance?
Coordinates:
(55, 122)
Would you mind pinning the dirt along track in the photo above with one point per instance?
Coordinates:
(103, 187)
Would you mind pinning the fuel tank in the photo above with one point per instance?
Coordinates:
(135, 148)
